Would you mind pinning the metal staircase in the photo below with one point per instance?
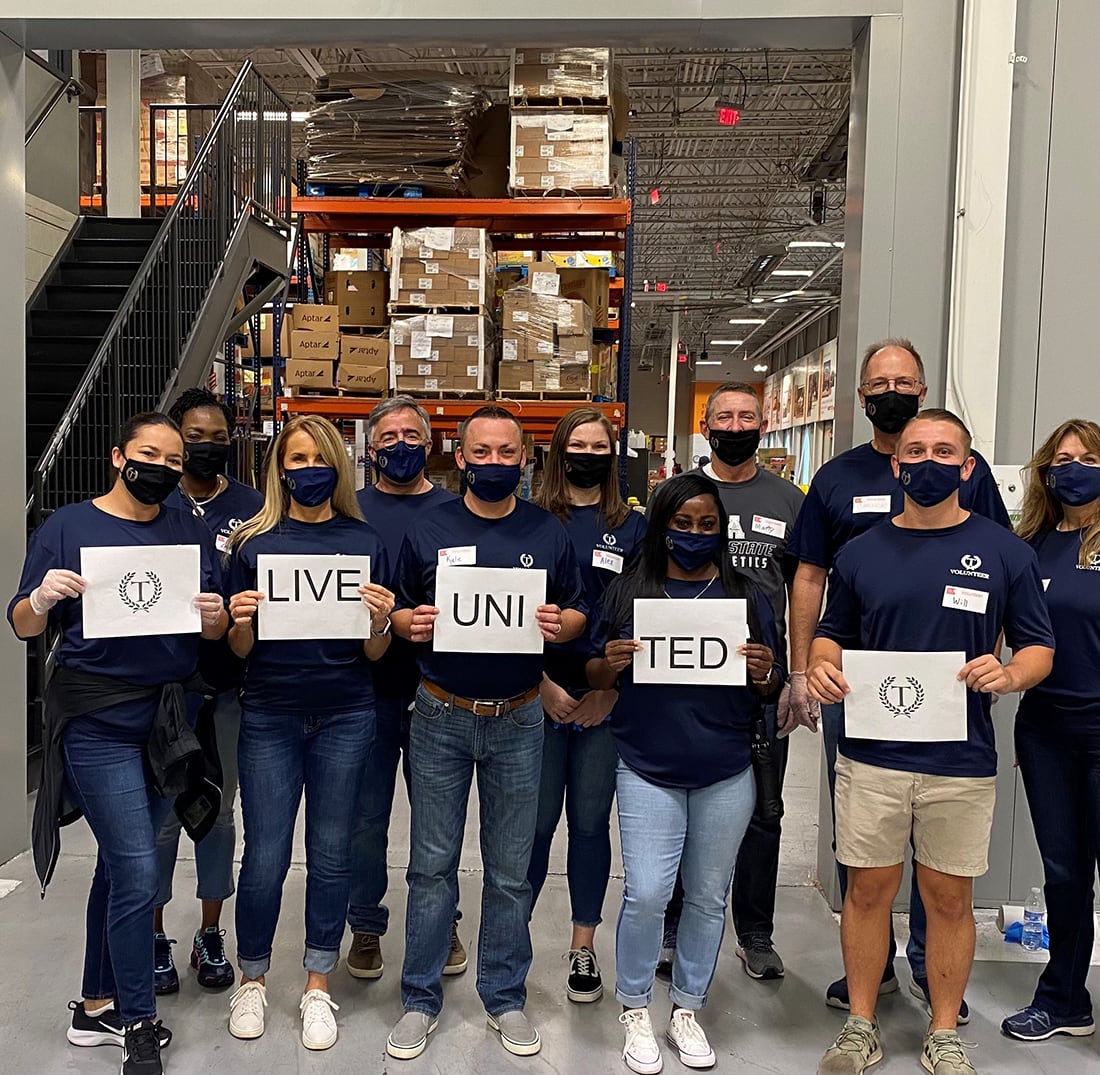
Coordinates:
(134, 311)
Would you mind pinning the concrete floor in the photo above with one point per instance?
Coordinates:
(780, 1027)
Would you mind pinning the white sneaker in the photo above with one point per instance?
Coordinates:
(246, 1011)
(686, 1035)
(318, 1022)
(640, 1051)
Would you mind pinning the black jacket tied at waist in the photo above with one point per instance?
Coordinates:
(172, 744)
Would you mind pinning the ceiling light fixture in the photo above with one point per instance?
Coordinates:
(748, 321)
(760, 368)
(762, 267)
(811, 244)
(780, 299)
(727, 343)
(756, 301)
(708, 362)
(792, 272)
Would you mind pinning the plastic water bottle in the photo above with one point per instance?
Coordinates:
(1034, 912)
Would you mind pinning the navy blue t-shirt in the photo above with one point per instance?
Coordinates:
(886, 592)
(527, 538)
(394, 516)
(148, 660)
(311, 675)
(1073, 600)
(220, 667)
(615, 547)
(846, 498)
(680, 736)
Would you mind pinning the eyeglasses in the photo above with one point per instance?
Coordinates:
(907, 386)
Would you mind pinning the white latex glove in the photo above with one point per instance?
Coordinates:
(55, 586)
(796, 707)
(210, 606)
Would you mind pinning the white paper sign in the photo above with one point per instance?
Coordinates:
(686, 641)
(488, 609)
(312, 596)
(906, 697)
(140, 590)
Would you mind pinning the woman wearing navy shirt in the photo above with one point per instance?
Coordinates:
(1058, 723)
(581, 487)
(684, 783)
(307, 722)
(102, 702)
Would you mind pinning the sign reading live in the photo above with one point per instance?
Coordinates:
(137, 590)
(488, 609)
(906, 697)
(312, 596)
(689, 642)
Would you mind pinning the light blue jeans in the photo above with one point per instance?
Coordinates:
(697, 831)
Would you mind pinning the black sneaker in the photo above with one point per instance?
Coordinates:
(836, 996)
(761, 960)
(165, 978)
(919, 989)
(208, 958)
(667, 954)
(141, 1050)
(103, 1028)
(584, 984)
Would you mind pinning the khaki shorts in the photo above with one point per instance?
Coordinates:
(950, 818)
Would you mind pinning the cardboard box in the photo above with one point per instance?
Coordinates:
(267, 349)
(561, 72)
(360, 297)
(365, 350)
(447, 349)
(368, 380)
(313, 318)
(311, 373)
(557, 150)
(441, 267)
(590, 286)
(516, 377)
(310, 345)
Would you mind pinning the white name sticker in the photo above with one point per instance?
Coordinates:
(967, 600)
(459, 556)
(866, 505)
(1046, 584)
(609, 561)
(222, 540)
(775, 528)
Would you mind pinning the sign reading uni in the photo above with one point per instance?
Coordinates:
(312, 596)
(140, 590)
(488, 609)
(684, 642)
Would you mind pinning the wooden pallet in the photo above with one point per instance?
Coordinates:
(599, 104)
(450, 393)
(564, 192)
(547, 394)
(404, 309)
(334, 393)
(374, 331)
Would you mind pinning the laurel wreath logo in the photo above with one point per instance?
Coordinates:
(139, 606)
(899, 711)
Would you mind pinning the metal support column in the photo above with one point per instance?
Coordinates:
(626, 314)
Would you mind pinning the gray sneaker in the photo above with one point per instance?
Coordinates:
(517, 1035)
(856, 1048)
(944, 1054)
(410, 1037)
(760, 958)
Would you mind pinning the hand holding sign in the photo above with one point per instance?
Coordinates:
(210, 607)
(759, 660)
(548, 618)
(422, 628)
(243, 606)
(56, 585)
(620, 652)
(380, 602)
(827, 683)
(987, 675)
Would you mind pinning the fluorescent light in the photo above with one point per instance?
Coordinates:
(793, 272)
(707, 362)
(780, 299)
(760, 368)
(809, 244)
(756, 301)
(839, 244)
(728, 343)
(748, 320)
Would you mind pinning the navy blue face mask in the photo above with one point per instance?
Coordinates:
(1074, 483)
(929, 482)
(492, 482)
(310, 486)
(691, 551)
(401, 463)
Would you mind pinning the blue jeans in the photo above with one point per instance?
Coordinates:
(213, 853)
(280, 755)
(578, 768)
(697, 831)
(832, 718)
(108, 777)
(1059, 755)
(446, 745)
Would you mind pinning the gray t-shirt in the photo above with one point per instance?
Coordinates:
(762, 512)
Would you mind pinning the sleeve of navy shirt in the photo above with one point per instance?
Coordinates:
(770, 633)
(811, 542)
(43, 554)
(564, 586)
(981, 495)
(408, 579)
(1026, 620)
(841, 619)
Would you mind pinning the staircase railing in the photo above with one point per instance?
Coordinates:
(242, 168)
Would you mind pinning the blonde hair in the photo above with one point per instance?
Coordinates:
(1042, 511)
(330, 445)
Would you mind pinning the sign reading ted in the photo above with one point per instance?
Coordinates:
(312, 596)
(690, 642)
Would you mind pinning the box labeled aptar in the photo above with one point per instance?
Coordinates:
(368, 380)
(365, 350)
(314, 318)
(308, 373)
(305, 344)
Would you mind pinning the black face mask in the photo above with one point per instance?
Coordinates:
(586, 470)
(205, 459)
(734, 447)
(149, 483)
(889, 411)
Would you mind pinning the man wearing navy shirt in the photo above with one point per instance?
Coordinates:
(477, 712)
(850, 494)
(964, 580)
(399, 440)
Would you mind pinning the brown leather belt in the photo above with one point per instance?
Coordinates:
(481, 707)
